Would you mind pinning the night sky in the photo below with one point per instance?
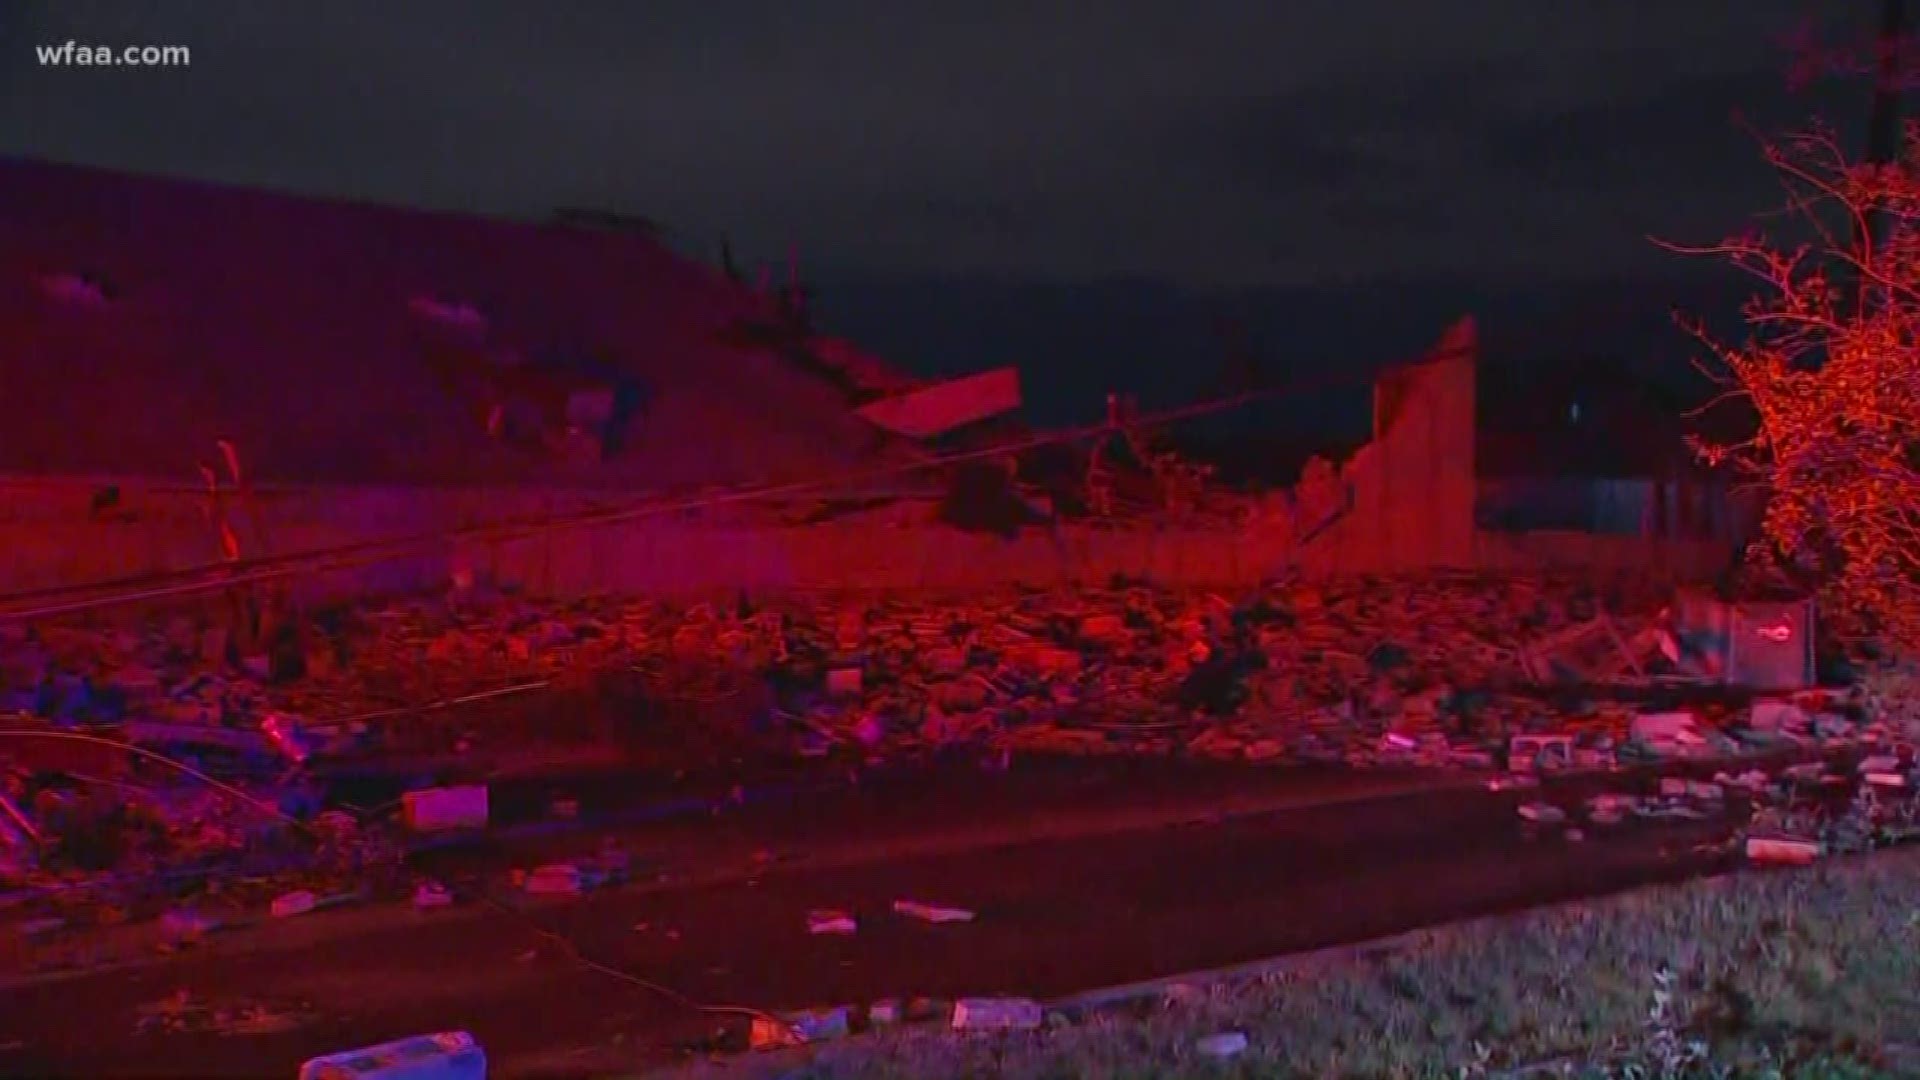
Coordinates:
(1090, 197)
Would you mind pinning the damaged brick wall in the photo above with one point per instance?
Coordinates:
(1412, 487)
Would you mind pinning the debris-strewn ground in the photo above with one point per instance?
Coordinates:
(1797, 974)
(1431, 669)
(1322, 669)
(1435, 671)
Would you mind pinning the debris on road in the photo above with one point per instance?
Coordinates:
(820, 1025)
(1225, 1044)
(446, 1055)
(181, 1013)
(1448, 671)
(556, 879)
(768, 1034)
(1611, 809)
(831, 922)
(996, 1014)
(1786, 850)
(1512, 783)
(1529, 753)
(932, 913)
(445, 808)
(184, 925)
(1542, 813)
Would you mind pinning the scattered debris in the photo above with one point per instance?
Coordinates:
(182, 1013)
(1529, 753)
(768, 1034)
(298, 902)
(445, 808)
(1512, 783)
(1753, 781)
(831, 922)
(996, 1014)
(556, 879)
(1587, 652)
(184, 925)
(1543, 813)
(446, 1055)
(913, 909)
(1610, 809)
(1445, 671)
(820, 1025)
(1670, 735)
(1226, 1044)
(1786, 850)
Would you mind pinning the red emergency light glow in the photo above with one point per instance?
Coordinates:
(1779, 634)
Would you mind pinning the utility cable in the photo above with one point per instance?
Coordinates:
(574, 953)
(571, 948)
(140, 751)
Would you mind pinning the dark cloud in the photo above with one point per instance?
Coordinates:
(1662, 134)
(1225, 141)
(1346, 132)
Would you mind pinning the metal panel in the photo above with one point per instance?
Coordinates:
(923, 414)
(1770, 646)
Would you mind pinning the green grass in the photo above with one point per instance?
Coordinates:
(1812, 974)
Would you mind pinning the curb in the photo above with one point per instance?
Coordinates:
(1080, 1005)
(1108, 997)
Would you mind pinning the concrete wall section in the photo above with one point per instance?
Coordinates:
(1412, 488)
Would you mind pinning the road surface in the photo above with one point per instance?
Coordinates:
(1054, 916)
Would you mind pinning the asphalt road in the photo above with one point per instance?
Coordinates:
(1053, 917)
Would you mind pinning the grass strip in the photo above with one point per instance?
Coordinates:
(1813, 973)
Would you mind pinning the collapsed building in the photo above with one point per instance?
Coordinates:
(198, 378)
(329, 372)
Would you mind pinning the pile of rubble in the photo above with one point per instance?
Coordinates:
(1417, 670)
(1428, 671)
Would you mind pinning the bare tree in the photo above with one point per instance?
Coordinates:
(1831, 370)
